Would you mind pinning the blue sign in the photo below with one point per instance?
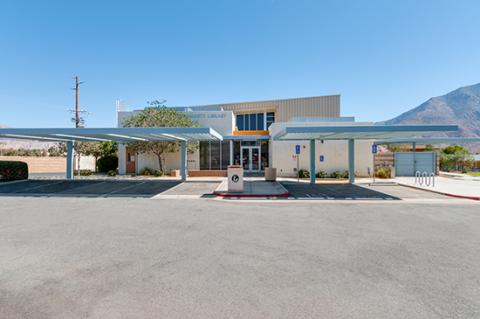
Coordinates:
(374, 149)
(322, 158)
(297, 149)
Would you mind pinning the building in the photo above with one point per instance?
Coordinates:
(247, 129)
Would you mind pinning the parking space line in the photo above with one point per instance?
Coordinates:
(124, 188)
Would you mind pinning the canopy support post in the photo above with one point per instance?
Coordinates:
(69, 160)
(351, 161)
(184, 160)
(312, 162)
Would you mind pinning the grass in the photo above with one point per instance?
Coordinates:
(474, 173)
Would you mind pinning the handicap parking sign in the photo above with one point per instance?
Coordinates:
(374, 148)
(297, 149)
(322, 158)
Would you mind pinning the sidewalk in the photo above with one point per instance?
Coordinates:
(468, 188)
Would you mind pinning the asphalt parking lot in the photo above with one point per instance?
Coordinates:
(87, 188)
(71, 257)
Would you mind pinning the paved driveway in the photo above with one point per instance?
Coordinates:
(86, 188)
(64, 257)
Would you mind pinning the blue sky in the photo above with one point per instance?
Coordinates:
(383, 57)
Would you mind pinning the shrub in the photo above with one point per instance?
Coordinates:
(339, 174)
(146, 171)
(158, 173)
(107, 163)
(83, 172)
(335, 174)
(383, 172)
(13, 170)
(321, 174)
(343, 174)
(303, 173)
(112, 173)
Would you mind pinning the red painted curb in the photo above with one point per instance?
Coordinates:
(462, 196)
(286, 194)
(441, 193)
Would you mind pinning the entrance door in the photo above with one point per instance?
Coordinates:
(130, 161)
(250, 158)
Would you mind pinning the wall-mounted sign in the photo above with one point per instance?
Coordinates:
(374, 148)
(322, 158)
(297, 149)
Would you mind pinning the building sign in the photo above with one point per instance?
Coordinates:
(322, 158)
(297, 149)
(374, 148)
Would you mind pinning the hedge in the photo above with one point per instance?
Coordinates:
(107, 163)
(13, 170)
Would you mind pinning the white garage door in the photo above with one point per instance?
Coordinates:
(406, 163)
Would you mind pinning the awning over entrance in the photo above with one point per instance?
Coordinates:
(356, 132)
(352, 133)
(122, 135)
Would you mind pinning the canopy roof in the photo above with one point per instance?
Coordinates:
(430, 140)
(124, 134)
(343, 132)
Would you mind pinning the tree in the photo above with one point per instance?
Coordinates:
(455, 156)
(96, 149)
(59, 149)
(158, 115)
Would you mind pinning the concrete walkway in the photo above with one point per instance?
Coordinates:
(449, 186)
(254, 188)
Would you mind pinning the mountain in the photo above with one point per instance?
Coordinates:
(461, 107)
(19, 143)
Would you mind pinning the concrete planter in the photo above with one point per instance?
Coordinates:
(270, 174)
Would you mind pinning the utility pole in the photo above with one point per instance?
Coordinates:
(76, 118)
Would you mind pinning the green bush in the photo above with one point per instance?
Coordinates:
(303, 173)
(321, 174)
(112, 173)
(339, 175)
(383, 172)
(146, 171)
(107, 163)
(83, 172)
(158, 173)
(13, 170)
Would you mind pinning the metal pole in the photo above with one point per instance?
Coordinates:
(312, 162)
(184, 160)
(351, 161)
(414, 149)
(69, 172)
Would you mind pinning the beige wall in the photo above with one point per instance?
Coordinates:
(317, 106)
(335, 157)
(40, 164)
(50, 164)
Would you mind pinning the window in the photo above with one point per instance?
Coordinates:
(260, 121)
(240, 125)
(204, 155)
(254, 122)
(270, 118)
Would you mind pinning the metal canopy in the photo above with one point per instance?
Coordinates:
(124, 134)
(430, 140)
(355, 132)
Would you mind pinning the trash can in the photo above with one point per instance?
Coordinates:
(235, 179)
(270, 174)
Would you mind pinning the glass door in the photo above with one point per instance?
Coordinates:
(255, 159)
(250, 158)
(245, 158)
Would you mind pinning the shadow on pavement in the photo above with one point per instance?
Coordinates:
(86, 188)
(333, 191)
